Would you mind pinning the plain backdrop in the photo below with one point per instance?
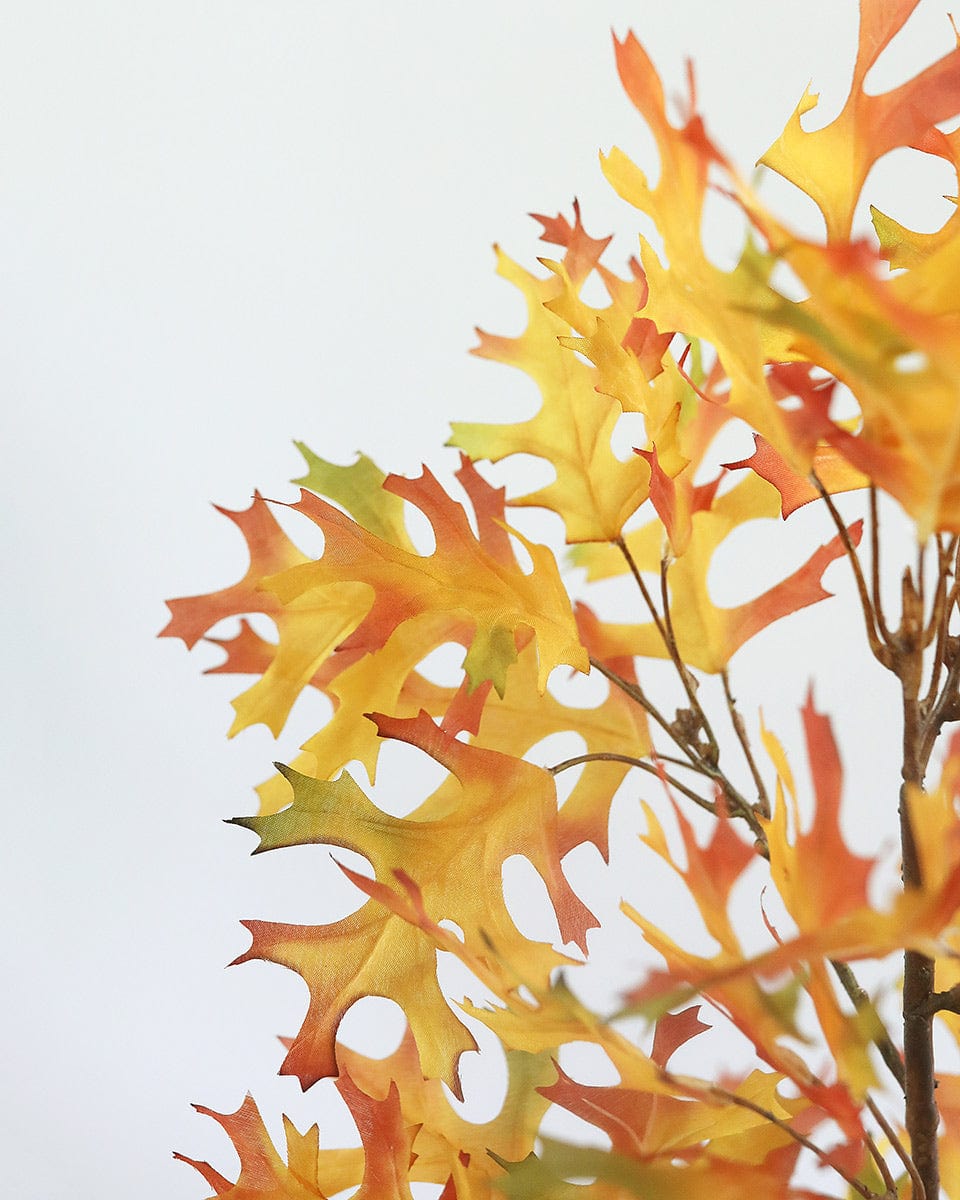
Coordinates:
(223, 226)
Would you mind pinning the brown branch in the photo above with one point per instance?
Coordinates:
(664, 626)
(939, 624)
(921, 572)
(948, 1001)
(921, 1114)
(946, 707)
(644, 590)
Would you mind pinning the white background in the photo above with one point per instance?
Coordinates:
(225, 226)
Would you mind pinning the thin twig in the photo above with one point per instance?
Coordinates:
(742, 1102)
(943, 709)
(644, 590)
(879, 649)
(738, 805)
(683, 762)
(885, 1173)
(689, 684)
(664, 626)
(921, 570)
(919, 1191)
(740, 728)
(635, 692)
(875, 564)
(863, 1004)
(604, 756)
(939, 623)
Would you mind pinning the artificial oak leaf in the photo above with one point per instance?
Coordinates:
(515, 723)
(760, 1013)
(828, 464)
(817, 876)
(645, 1125)
(387, 1141)
(594, 492)
(461, 578)
(552, 1016)
(710, 873)
(311, 626)
(917, 918)
(707, 635)
(385, 680)
(930, 259)
(366, 954)
(263, 1173)
(831, 164)
(456, 843)
(618, 1177)
(628, 351)
(358, 488)
(445, 1146)
(692, 294)
(331, 616)
(628, 354)
(270, 551)
(898, 358)
(515, 804)
(893, 340)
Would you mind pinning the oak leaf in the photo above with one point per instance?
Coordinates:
(708, 635)
(455, 845)
(831, 163)
(594, 492)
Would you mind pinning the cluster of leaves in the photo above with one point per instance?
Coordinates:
(690, 348)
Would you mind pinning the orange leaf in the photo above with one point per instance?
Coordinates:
(832, 163)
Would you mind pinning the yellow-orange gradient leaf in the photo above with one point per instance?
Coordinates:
(454, 845)
(831, 164)
(708, 635)
(594, 491)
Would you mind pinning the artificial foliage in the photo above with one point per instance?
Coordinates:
(849, 381)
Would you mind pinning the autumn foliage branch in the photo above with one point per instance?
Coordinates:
(852, 388)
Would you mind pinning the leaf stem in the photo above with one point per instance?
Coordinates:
(881, 1163)
(879, 648)
(919, 1192)
(863, 1004)
(738, 805)
(763, 800)
(875, 565)
(664, 625)
(742, 1102)
(635, 692)
(650, 768)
